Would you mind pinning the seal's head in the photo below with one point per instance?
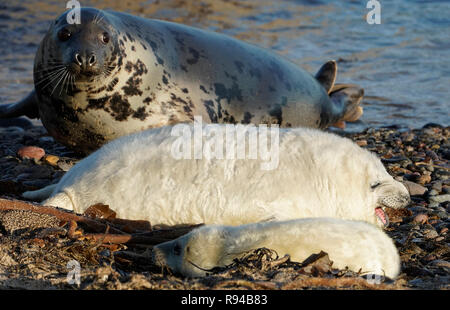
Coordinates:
(72, 52)
(195, 253)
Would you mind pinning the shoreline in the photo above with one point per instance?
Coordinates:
(419, 157)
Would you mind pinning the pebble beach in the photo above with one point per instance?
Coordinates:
(30, 159)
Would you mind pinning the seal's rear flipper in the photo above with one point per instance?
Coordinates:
(348, 97)
(326, 75)
(27, 106)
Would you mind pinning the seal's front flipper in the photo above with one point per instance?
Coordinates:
(348, 98)
(27, 106)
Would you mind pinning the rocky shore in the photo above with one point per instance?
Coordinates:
(36, 248)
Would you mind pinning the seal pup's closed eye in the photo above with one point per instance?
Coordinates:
(318, 175)
(352, 244)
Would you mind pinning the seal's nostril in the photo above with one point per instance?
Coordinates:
(92, 60)
(78, 59)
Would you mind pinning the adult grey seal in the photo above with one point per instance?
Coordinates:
(115, 73)
(353, 244)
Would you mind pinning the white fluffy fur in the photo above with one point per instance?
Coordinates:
(353, 244)
(319, 175)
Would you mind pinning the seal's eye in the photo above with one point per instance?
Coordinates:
(375, 185)
(177, 249)
(64, 34)
(105, 37)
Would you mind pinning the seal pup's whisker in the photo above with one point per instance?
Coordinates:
(196, 266)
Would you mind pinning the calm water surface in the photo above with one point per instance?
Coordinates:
(403, 63)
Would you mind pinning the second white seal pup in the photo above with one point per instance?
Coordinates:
(318, 175)
(352, 244)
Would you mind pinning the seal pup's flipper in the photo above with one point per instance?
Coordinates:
(326, 75)
(27, 106)
(347, 96)
(40, 194)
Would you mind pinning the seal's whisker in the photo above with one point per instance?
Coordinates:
(49, 68)
(50, 76)
(63, 82)
(60, 76)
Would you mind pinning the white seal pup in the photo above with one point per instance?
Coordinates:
(352, 244)
(315, 174)
(114, 74)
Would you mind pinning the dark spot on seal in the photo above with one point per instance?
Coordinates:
(154, 47)
(121, 42)
(164, 79)
(204, 89)
(132, 87)
(130, 37)
(229, 119)
(133, 48)
(120, 107)
(93, 140)
(185, 90)
(239, 65)
(129, 66)
(125, 38)
(97, 103)
(183, 68)
(230, 76)
(143, 46)
(195, 56)
(255, 72)
(112, 84)
(209, 105)
(227, 93)
(147, 100)
(140, 114)
(98, 90)
(277, 113)
(247, 118)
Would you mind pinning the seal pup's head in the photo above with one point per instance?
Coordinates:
(196, 253)
(71, 53)
(341, 179)
(389, 193)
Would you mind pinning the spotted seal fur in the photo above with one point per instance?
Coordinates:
(116, 74)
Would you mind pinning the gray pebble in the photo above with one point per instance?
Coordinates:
(440, 198)
(433, 192)
(431, 234)
(46, 139)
